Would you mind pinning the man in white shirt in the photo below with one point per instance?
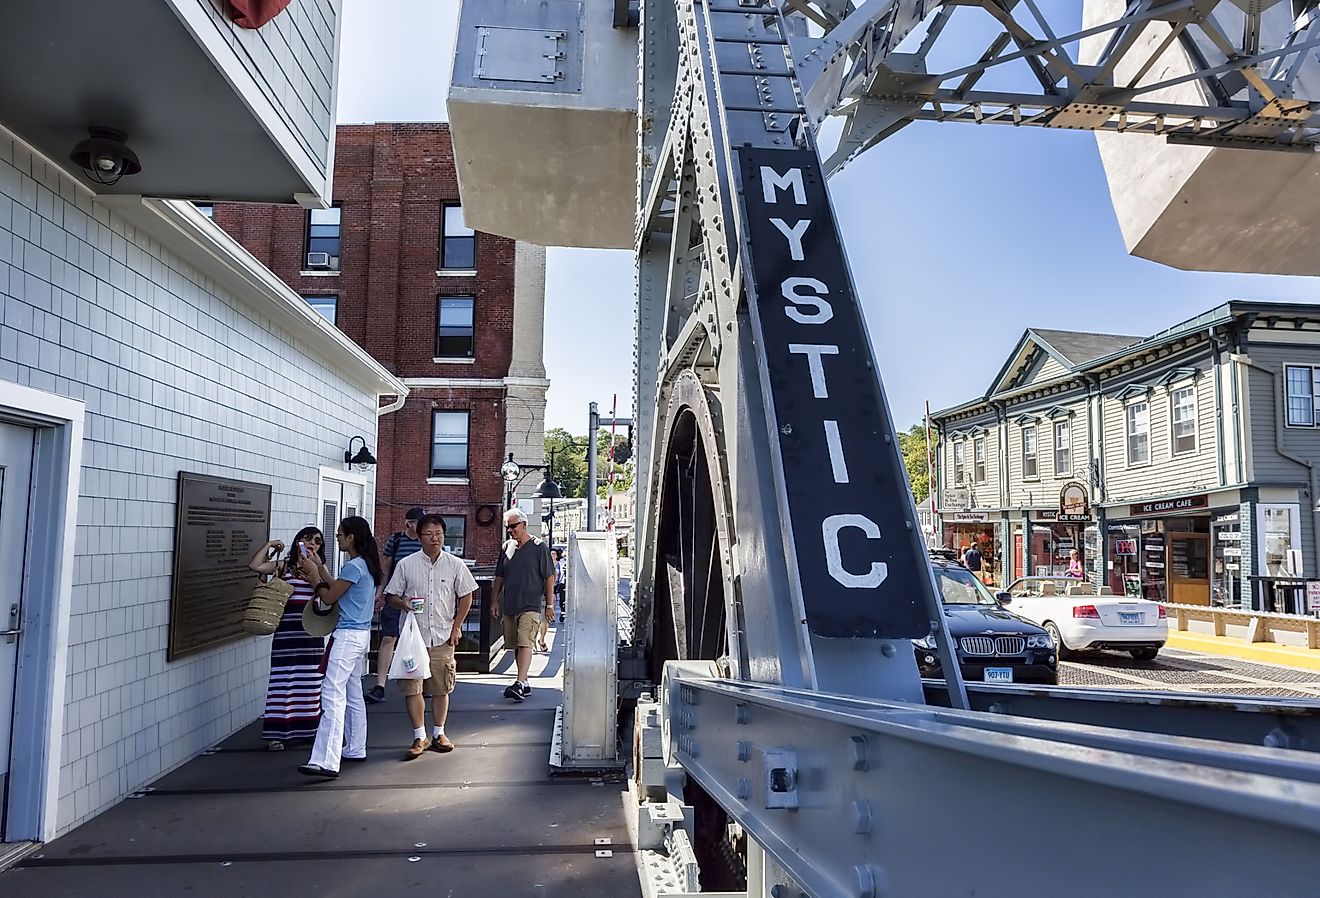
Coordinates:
(445, 586)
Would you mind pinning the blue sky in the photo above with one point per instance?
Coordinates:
(959, 236)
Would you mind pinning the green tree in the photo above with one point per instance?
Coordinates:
(912, 444)
(570, 461)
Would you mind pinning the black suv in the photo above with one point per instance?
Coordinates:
(993, 645)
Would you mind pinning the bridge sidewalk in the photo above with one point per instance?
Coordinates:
(485, 820)
(1232, 647)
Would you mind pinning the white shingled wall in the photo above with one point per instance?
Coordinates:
(176, 374)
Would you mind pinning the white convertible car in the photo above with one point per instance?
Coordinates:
(1079, 620)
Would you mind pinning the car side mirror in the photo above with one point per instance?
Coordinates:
(1003, 598)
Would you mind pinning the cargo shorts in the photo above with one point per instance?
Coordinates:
(522, 630)
(444, 673)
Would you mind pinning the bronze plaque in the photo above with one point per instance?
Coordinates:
(219, 524)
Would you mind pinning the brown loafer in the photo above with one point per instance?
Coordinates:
(418, 746)
(442, 744)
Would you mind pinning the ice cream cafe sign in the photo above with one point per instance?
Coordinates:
(1074, 504)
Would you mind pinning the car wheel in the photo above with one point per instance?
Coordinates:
(1143, 654)
(1059, 648)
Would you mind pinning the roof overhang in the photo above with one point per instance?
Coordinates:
(164, 73)
(179, 227)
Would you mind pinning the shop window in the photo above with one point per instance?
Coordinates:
(455, 530)
(1029, 453)
(323, 243)
(449, 444)
(959, 457)
(1182, 405)
(325, 305)
(1138, 433)
(978, 459)
(1062, 449)
(1280, 540)
(458, 242)
(454, 333)
(1303, 395)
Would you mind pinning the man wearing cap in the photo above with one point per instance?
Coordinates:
(524, 586)
(398, 547)
(445, 588)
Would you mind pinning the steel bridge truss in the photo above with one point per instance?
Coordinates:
(873, 66)
(777, 535)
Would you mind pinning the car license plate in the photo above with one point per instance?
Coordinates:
(999, 674)
(1133, 617)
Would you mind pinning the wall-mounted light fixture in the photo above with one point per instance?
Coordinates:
(105, 157)
(363, 459)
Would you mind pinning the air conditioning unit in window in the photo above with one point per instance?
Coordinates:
(318, 260)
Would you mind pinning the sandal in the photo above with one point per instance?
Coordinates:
(274, 746)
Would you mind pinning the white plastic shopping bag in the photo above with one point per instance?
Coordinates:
(411, 660)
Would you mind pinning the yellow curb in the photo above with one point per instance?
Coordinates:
(1227, 646)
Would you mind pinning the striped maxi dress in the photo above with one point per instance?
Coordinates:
(293, 698)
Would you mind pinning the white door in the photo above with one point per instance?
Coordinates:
(15, 476)
(339, 499)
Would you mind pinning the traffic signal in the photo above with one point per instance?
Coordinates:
(623, 451)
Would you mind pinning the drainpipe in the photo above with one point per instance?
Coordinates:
(1279, 400)
(1216, 350)
(1001, 421)
(1235, 386)
(393, 406)
(1095, 447)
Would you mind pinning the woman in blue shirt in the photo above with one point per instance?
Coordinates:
(343, 728)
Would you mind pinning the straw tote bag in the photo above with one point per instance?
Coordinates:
(266, 606)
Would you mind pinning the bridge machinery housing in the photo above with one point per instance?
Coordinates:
(780, 571)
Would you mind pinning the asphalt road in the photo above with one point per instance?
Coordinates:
(1176, 670)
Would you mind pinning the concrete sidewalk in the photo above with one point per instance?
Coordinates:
(1232, 647)
(484, 820)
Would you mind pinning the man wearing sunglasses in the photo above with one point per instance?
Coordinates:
(524, 587)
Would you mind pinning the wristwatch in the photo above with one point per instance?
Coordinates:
(320, 586)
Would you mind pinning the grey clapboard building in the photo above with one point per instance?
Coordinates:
(1190, 457)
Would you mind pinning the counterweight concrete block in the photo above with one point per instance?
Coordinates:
(1199, 208)
(543, 112)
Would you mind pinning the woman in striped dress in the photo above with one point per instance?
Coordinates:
(293, 697)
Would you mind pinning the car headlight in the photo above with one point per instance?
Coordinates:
(1041, 641)
(926, 642)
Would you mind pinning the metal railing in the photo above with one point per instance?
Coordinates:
(1281, 595)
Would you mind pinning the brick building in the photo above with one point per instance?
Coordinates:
(456, 315)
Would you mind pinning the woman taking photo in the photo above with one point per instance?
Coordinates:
(343, 729)
(293, 696)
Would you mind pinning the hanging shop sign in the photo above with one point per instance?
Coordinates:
(1169, 506)
(957, 498)
(1074, 503)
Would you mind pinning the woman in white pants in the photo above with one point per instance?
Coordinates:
(343, 728)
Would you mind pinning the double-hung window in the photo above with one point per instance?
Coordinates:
(1182, 416)
(326, 305)
(1138, 433)
(449, 444)
(1029, 469)
(323, 239)
(1062, 449)
(454, 335)
(1303, 395)
(959, 459)
(455, 530)
(978, 459)
(458, 242)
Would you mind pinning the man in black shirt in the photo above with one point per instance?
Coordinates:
(524, 587)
